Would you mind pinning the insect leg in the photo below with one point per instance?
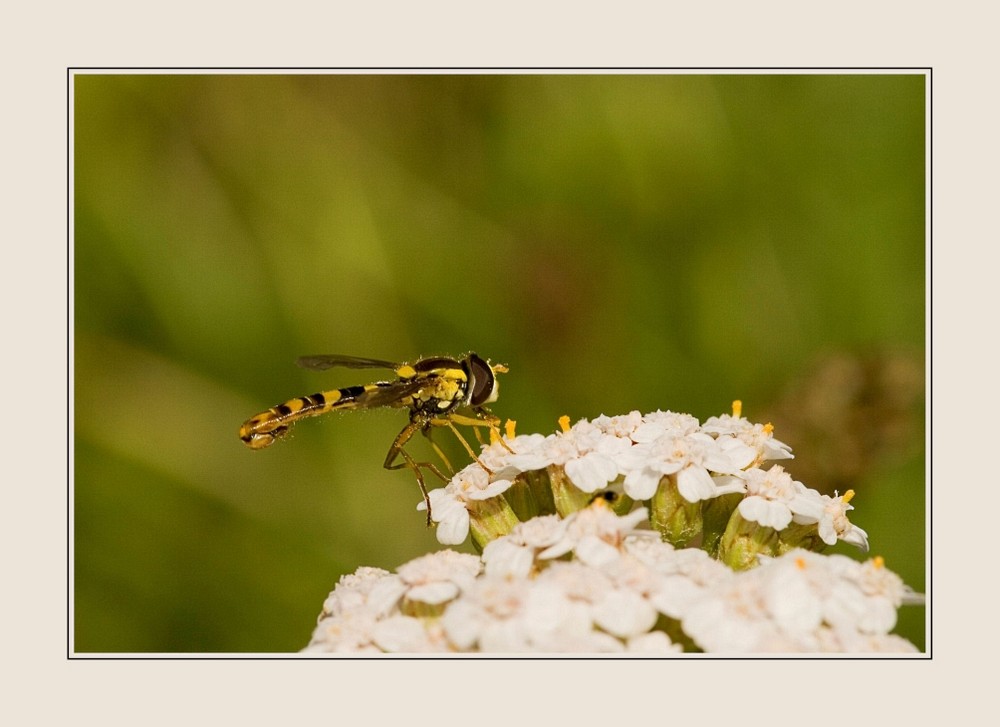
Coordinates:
(427, 433)
(488, 420)
(447, 422)
(397, 450)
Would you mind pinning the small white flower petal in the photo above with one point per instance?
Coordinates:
(463, 622)
(695, 484)
(856, 537)
(624, 614)
(591, 472)
(493, 489)
(729, 455)
(385, 595)
(728, 484)
(641, 484)
(401, 634)
(455, 528)
(765, 512)
(648, 432)
(433, 593)
(791, 601)
(506, 558)
(594, 551)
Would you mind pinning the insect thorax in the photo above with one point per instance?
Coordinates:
(441, 395)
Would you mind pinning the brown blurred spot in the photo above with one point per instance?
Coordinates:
(562, 267)
(849, 414)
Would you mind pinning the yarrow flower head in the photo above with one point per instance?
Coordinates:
(698, 482)
(632, 533)
(439, 577)
(692, 458)
(624, 425)
(508, 458)
(648, 596)
(800, 602)
(588, 455)
(594, 534)
(515, 554)
(661, 423)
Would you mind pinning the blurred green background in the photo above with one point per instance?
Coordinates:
(620, 241)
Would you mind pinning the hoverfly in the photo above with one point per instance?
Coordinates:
(433, 389)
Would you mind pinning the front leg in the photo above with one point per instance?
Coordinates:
(398, 450)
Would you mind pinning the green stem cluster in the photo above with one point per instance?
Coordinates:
(715, 525)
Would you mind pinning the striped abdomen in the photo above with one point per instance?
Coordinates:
(263, 429)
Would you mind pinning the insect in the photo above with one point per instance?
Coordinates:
(434, 389)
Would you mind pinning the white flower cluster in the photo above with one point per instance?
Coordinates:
(593, 582)
(642, 456)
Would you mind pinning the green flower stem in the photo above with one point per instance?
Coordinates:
(743, 541)
(541, 490)
(490, 519)
(800, 536)
(522, 500)
(716, 514)
(677, 520)
(567, 497)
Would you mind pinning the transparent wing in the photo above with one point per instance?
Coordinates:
(328, 361)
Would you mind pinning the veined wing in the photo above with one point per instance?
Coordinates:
(372, 396)
(322, 362)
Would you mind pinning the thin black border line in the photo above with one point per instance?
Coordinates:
(929, 374)
(927, 656)
(70, 389)
(788, 70)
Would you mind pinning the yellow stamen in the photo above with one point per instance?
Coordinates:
(737, 408)
(800, 563)
(509, 428)
(494, 435)
(848, 496)
(878, 561)
(564, 423)
(769, 428)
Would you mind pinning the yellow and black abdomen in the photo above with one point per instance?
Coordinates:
(263, 429)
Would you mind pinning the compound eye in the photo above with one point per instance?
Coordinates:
(483, 381)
